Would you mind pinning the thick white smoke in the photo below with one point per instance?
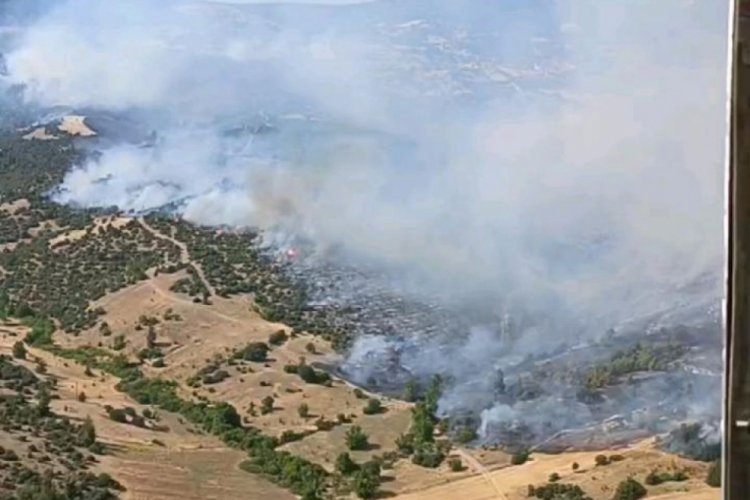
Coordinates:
(564, 157)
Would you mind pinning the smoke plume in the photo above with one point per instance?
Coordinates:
(559, 160)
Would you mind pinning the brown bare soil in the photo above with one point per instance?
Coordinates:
(15, 206)
(40, 134)
(76, 125)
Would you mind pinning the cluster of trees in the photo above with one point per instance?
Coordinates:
(17, 226)
(555, 491)
(61, 282)
(364, 479)
(640, 357)
(221, 419)
(419, 442)
(655, 477)
(29, 169)
(64, 441)
(211, 373)
(29, 484)
(192, 285)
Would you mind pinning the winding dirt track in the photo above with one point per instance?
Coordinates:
(184, 252)
(477, 467)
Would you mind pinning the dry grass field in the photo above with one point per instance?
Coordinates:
(179, 461)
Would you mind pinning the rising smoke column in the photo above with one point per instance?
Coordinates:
(561, 161)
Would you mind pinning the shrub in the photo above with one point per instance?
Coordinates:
(277, 338)
(410, 391)
(616, 458)
(359, 394)
(601, 460)
(290, 436)
(520, 457)
(405, 444)
(654, 477)
(82, 397)
(466, 435)
(266, 405)
(324, 425)
(303, 410)
(41, 332)
(366, 484)
(455, 464)
(575, 466)
(86, 433)
(345, 465)
(215, 377)
(255, 351)
(629, 489)
(118, 344)
(312, 376)
(118, 415)
(310, 347)
(19, 350)
(356, 439)
(373, 407)
(554, 477)
(427, 455)
(557, 491)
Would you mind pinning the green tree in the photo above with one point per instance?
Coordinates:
(366, 484)
(432, 396)
(422, 426)
(520, 457)
(411, 390)
(373, 407)
(427, 455)
(356, 439)
(455, 464)
(629, 489)
(277, 338)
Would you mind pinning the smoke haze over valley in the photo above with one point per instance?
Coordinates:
(483, 181)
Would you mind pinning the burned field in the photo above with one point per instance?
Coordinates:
(498, 389)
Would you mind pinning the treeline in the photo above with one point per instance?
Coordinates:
(302, 477)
